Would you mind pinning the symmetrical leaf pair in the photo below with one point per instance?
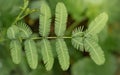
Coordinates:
(22, 31)
(44, 29)
(60, 27)
(89, 38)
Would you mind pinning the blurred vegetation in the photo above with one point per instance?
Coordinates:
(80, 13)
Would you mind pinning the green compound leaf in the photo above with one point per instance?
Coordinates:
(47, 54)
(15, 49)
(12, 32)
(63, 55)
(60, 19)
(31, 53)
(95, 50)
(25, 31)
(44, 19)
(98, 24)
(77, 42)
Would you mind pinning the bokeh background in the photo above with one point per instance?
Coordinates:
(81, 12)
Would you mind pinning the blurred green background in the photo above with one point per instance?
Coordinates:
(81, 12)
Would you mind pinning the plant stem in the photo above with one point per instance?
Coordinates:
(36, 38)
(59, 37)
(23, 9)
(31, 11)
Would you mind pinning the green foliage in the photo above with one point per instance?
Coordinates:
(47, 54)
(31, 53)
(63, 55)
(45, 19)
(12, 32)
(60, 19)
(94, 37)
(95, 50)
(15, 49)
(78, 32)
(25, 31)
(77, 40)
(89, 39)
(81, 40)
(21, 30)
(78, 43)
(98, 24)
(60, 27)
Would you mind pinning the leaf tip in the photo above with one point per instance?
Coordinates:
(101, 62)
(105, 15)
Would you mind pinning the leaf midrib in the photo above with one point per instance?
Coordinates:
(93, 49)
(44, 25)
(12, 32)
(76, 33)
(24, 32)
(77, 42)
(46, 50)
(31, 52)
(61, 48)
(61, 12)
(95, 26)
(16, 57)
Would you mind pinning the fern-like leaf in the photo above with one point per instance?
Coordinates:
(60, 19)
(95, 50)
(47, 54)
(63, 55)
(98, 24)
(25, 31)
(12, 32)
(15, 49)
(31, 53)
(78, 32)
(77, 42)
(45, 19)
